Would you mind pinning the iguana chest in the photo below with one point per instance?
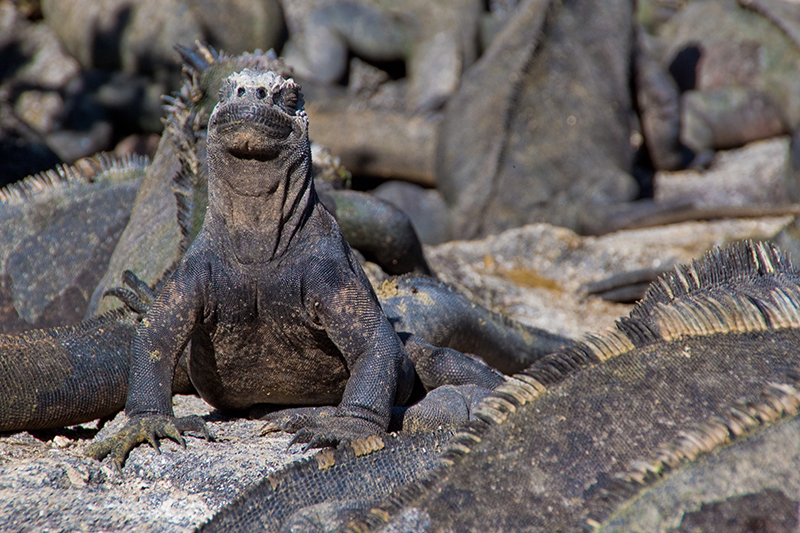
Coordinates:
(258, 344)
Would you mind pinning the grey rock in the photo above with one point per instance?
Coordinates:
(539, 130)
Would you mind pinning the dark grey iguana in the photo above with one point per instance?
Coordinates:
(623, 432)
(72, 363)
(270, 295)
(160, 231)
(304, 239)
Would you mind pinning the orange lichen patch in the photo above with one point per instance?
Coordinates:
(528, 278)
(524, 277)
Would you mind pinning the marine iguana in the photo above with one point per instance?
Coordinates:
(274, 302)
(697, 378)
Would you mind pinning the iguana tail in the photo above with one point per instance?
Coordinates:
(443, 317)
(67, 375)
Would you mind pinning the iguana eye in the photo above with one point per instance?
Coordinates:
(240, 91)
(261, 93)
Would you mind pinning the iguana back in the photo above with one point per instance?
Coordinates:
(707, 358)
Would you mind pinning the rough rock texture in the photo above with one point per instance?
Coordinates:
(435, 39)
(136, 36)
(539, 129)
(734, 64)
(752, 175)
(535, 273)
(47, 483)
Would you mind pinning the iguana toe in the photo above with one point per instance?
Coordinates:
(192, 423)
(294, 419)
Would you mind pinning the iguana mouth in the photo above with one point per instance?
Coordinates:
(253, 134)
(246, 152)
(248, 143)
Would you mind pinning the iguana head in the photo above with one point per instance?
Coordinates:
(256, 130)
(260, 189)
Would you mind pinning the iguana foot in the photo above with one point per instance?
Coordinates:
(320, 427)
(148, 428)
(136, 294)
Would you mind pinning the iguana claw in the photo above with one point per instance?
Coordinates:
(319, 427)
(145, 428)
(313, 440)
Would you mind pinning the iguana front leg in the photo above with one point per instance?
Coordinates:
(381, 374)
(158, 343)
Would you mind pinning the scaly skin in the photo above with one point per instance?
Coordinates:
(69, 375)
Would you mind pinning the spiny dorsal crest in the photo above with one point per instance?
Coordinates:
(100, 167)
(741, 260)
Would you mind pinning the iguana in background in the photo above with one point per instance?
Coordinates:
(625, 431)
(58, 230)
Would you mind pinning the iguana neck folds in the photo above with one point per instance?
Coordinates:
(259, 157)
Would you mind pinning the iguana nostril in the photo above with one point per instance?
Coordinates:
(241, 91)
(261, 93)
